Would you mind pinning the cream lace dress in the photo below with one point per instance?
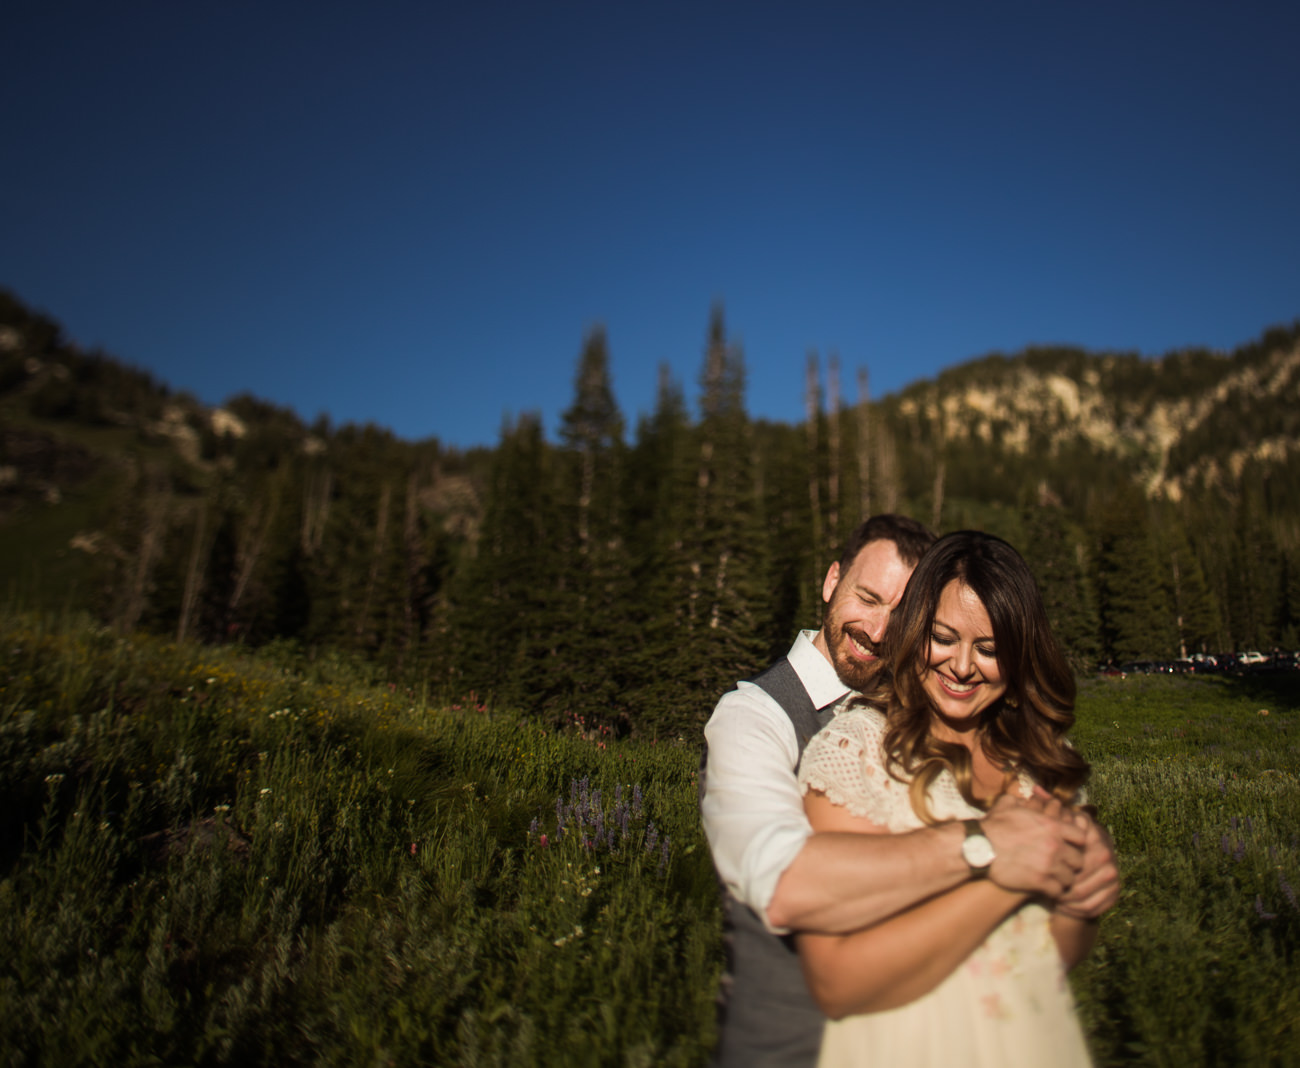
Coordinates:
(1009, 1004)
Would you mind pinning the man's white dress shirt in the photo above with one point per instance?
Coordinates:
(752, 808)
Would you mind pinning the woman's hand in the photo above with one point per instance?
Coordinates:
(1096, 887)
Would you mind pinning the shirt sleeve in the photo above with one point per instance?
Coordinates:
(845, 762)
(752, 808)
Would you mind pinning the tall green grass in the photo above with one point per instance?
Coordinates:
(208, 856)
(1199, 782)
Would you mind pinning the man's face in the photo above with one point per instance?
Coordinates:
(858, 604)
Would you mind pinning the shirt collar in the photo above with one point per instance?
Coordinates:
(815, 671)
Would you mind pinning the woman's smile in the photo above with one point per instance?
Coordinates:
(962, 677)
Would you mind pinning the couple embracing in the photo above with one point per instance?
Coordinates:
(900, 825)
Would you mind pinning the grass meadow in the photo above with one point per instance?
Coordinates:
(210, 856)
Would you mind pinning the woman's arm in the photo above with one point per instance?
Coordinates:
(898, 960)
(1074, 937)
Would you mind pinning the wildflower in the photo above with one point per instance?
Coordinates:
(1259, 910)
(543, 842)
(413, 848)
(55, 778)
(1288, 890)
(264, 791)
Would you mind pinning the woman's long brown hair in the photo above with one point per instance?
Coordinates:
(1025, 728)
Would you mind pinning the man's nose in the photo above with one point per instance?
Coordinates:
(876, 624)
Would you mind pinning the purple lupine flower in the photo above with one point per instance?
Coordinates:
(664, 853)
(532, 827)
(1223, 787)
(636, 799)
(624, 823)
(1225, 844)
(1239, 854)
(1288, 891)
(1259, 910)
(1196, 839)
(651, 837)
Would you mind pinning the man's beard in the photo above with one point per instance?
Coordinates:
(854, 673)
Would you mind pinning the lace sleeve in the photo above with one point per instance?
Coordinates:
(845, 762)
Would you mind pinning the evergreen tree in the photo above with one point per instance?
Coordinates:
(1137, 618)
(590, 625)
(1055, 551)
(501, 615)
(728, 616)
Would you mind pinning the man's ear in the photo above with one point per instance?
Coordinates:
(831, 581)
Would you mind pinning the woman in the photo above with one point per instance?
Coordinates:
(976, 703)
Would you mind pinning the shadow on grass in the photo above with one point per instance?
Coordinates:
(1278, 691)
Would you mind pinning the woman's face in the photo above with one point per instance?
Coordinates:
(962, 676)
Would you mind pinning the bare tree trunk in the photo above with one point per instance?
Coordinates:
(864, 445)
(194, 573)
(584, 500)
(812, 412)
(156, 507)
(696, 565)
(252, 547)
(939, 473)
(833, 451)
(376, 559)
(414, 562)
(1178, 606)
(940, 469)
(719, 586)
(887, 467)
(316, 509)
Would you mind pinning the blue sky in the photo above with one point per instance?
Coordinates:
(411, 213)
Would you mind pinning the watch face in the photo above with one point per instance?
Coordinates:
(978, 851)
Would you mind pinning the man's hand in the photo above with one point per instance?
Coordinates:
(1096, 887)
(1038, 847)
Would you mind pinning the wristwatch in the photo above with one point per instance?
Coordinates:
(977, 850)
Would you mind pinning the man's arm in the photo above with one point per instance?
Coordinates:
(906, 956)
(767, 855)
(842, 879)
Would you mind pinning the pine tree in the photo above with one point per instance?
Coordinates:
(1136, 613)
(1055, 551)
(502, 600)
(590, 625)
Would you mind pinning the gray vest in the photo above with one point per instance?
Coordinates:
(766, 1016)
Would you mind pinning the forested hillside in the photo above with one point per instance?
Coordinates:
(626, 576)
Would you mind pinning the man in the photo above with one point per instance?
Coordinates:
(780, 877)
